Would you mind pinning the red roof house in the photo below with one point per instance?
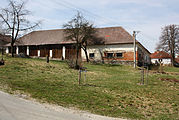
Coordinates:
(161, 55)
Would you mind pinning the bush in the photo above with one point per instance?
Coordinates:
(72, 63)
(22, 55)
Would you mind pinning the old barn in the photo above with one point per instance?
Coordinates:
(117, 46)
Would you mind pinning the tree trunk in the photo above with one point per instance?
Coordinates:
(173, 59)
(102, 58)
(77, 53)
(86, 53)
(173, 52)
(171, 47)
(12, 50)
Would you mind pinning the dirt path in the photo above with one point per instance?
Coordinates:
(15, 108)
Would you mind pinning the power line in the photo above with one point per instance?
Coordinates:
(104, 19)
(76, 8)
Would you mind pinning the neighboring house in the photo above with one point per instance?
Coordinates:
(117, 46)
(160, 56)
(4, 39)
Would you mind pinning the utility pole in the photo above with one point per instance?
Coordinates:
(134, 37)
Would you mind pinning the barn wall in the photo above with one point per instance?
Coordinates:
(101, 51)
(14, 49)
(70, 52)
(56, 51)
(23, 49)
(127, 50)
(33, 50)
(143, 55)
(45, 50)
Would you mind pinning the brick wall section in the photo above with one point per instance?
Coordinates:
(127, 56)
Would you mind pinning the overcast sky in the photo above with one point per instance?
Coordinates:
(146, 16)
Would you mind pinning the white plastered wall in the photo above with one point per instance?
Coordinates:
(96, 49)
(164, 61)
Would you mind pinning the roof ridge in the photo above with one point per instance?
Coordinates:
(109, 27)
(64, 29)
(48, 30)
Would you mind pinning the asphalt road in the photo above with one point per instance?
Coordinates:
(15, 108)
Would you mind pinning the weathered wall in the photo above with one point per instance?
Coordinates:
(14, 49)
(127, 50)
(143, 56)
(120, 52)
(100, 51)
(33, 50)
(23, 49)
(70, 52)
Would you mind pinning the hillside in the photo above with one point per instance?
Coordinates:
(110, 90)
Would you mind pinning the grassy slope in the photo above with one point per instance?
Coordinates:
(108, 90)
(171, 69)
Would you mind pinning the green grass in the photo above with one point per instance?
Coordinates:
(110, 90)
(171, 69)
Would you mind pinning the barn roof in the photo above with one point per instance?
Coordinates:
(160, 55)
(110, 35)
(114, 35)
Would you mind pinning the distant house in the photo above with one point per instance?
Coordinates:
(4, 39)
(117, 46)
(160, 56)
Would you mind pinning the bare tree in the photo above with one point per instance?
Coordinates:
(89, 37)
(169, 41)
(80, 31)
(14, 18)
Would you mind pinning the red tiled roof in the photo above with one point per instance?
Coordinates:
(160, 55)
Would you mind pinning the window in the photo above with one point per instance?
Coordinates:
(91, 55)
(119, 55)
(109, 55)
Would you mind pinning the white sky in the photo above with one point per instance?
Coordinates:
(146, 16)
